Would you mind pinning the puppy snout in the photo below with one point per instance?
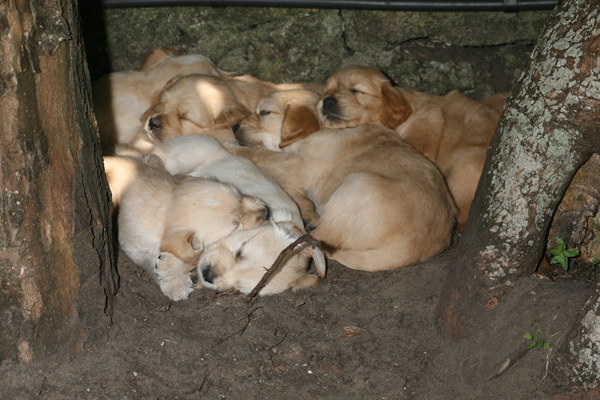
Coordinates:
(207, 274)
(235, 128)
(329, 102)
(154, 124)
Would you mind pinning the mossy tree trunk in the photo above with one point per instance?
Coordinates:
(57, 270)
(549, 128)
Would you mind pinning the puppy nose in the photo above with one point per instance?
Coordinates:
(207, 274)
(154, 124)
(329, 102)
(235, 128)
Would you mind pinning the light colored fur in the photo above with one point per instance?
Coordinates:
(204, 157)
(197, 104)
(159, 213)
(382, 205)
(120, 98)
(453, 131)
(240, 260)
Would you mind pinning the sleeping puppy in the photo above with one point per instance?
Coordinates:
(120, 98)
(192, 105)
(159, 213)
(199, 104)
(239, 261)
(382, 204)
(204, 157)
(453, 131)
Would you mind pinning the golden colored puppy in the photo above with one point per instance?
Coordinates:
(453, 130)
(120, 98)
(159, 213)
(382, 205)
(199, 104)
(192, 105)
(239, 261)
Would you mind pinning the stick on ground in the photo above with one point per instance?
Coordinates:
(304, 238)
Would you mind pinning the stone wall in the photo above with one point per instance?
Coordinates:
(477, 53)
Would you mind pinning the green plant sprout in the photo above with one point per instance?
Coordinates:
(561, 254)
(590, 269)
(537, 342)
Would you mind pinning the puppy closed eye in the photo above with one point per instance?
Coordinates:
(239, 252)
(264, 112)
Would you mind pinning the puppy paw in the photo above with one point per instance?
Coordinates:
(169, 267)
(178, 288)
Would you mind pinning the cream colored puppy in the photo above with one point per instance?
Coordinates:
(205, 157)
(120, 98)
(382, 204)
(239, 261)
(159, 213)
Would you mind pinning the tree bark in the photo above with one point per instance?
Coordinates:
(57, 269)
(549, 128)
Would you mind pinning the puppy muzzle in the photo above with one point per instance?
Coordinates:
(207, 274)
(329, 108)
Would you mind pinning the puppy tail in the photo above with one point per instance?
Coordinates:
(120, 172)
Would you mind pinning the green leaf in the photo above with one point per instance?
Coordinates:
(531, 345)
(561, 243)
(528, 336)
(556, 252)
(547, 345)
(572, 252)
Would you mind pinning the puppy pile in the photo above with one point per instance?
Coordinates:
(214, 174)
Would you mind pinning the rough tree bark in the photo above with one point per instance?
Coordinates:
(57, 271)
(549, 128)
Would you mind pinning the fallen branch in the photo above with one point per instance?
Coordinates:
(263, 281)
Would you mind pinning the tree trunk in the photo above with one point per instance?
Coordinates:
(549, 128)
(57, 269)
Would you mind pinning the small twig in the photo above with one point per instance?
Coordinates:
(278, 343)
(304, 238)
(42, 386)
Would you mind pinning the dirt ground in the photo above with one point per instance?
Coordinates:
(357, 335)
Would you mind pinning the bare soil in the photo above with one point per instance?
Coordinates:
(357, 335)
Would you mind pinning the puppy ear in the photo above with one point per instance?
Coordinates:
(182, 244)
(159, 54)
(156, 99)
(299, 121)
(394, 108)
(228, 118)
(319, 259)
(316, 254)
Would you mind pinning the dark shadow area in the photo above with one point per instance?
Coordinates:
(93, 27)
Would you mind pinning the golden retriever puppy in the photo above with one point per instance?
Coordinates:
(192, 105)
(199, 104)
(120, 98)
(453, 130)
(204, 157)
(239, 261)
(159, 213)
(382, 205)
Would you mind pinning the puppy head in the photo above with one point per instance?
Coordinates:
(239, 261)
(357, 95)
(281, 118)
(192, 105)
